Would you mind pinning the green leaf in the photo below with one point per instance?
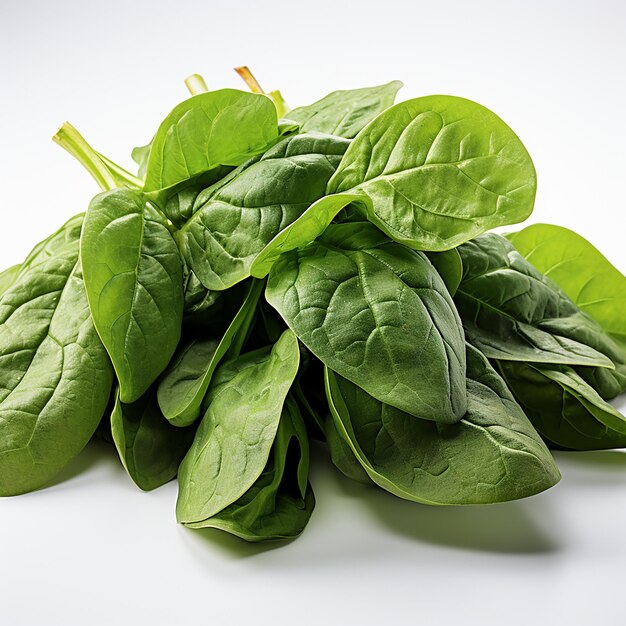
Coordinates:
(341, 453)
(239, 218)
(449, 266)
(133, 275)
(234, 439)
(436, 171)
(149, 447)
(377, 313)
(186, 380)
(7, 278)
(595, 285)
(564, 408)
(55, 376)
(140, 155)
(492, 455)
(223, 127)
(280, 502)
(512, 312)
(345, 113)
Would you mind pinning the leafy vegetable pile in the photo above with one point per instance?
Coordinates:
(273, 276)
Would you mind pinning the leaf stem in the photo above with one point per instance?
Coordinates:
(249, 79)
(123, 176)
(72, 141)
(196, 84)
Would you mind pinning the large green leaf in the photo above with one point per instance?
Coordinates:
(595, 285)
(233, 442)
(492, 455)
(377, 313)
(133, 275)
(345, 113)
(436, 171)
(7, 278)
(223, 127)
(149, 447)
(564, 408)
(512, 312)
(240, 217)
(55, 376)
(186, 380)
(280, 502)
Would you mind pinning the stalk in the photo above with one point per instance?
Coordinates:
(196, 84)
(249, 79)
(121, 175)
(72, 141)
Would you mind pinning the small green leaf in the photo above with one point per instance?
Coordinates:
(449, 266)
(149, 447)
(234, 439)
(345, 113)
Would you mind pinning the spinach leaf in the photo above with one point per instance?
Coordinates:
(510, 311)
(141, 155)
(186, 380)
(564, 408)
(435, 463)
(280, 502)
(595, 285)
(223, 127)
(233, 442)
(341, 453)
(133, 275)
(436, 171)
(197, 298)
(345, 113)
(55, 376)
(149, 447)
(239, 218)
(377, 313)
(7, 278)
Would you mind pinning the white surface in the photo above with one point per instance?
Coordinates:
(92, 549)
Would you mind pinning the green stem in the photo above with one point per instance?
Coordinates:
(249, 79)
(196, 84)
(72, 141)
(123, 176)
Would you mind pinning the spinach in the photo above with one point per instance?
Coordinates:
(387, 312)
(234, 439)
(434, 172)
(345, 113)
(55, 376)
(238, 219)
(133, 276)
(434, 463)
(212, 129)
(149, 447)
(280, 502)
(186, 380)
(377, 313)
(564, 408)
(512, 312)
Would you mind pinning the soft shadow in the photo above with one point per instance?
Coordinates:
(609, 460)
(94, 453)
(521, 527)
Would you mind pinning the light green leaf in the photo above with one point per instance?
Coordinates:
(280, 502)
(492, 455)
(223, 127)
(233, 443)
(379, 314)
(133, 275)
(345, 113)
(436, 171)
(7, 278)
(449, 266)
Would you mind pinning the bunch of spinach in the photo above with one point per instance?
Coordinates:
(270, 277)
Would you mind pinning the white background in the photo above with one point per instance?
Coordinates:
(92, 549)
